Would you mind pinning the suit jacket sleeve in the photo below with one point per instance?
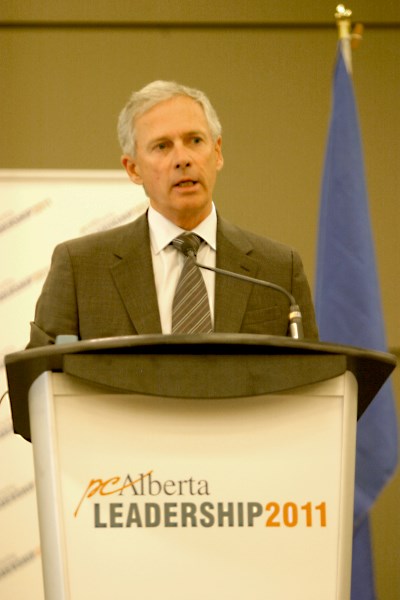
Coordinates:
(56, 310)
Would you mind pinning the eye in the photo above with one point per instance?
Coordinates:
(196, 140)
(160, 146)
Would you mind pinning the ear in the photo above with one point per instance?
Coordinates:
(131, 168)
(218, 150)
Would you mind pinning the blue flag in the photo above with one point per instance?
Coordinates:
(348, 308)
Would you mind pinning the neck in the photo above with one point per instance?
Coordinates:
(187, 221)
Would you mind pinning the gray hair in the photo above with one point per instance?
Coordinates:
(149, 96)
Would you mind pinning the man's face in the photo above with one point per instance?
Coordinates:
(176, 160)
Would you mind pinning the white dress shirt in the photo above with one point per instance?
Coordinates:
(168, 261)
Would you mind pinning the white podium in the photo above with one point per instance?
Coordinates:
(181, 467)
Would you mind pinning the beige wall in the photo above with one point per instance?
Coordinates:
(67, 69)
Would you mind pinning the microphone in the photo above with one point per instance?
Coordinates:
(295, 318)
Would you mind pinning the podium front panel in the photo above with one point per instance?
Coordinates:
(232, 498)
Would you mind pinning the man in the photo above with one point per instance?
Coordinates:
(123, 281)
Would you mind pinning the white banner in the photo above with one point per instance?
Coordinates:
(39, 209)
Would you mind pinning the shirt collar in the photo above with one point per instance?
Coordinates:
(163, 231)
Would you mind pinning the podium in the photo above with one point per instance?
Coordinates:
(191, 467)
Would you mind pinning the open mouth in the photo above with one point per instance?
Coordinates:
(186, 183)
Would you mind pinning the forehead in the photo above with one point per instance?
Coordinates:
(177, 114)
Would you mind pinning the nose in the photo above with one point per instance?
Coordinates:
(182, 164)
(182, 158)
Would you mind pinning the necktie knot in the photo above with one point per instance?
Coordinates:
(187, 243)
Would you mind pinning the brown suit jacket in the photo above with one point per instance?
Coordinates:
(102, 285)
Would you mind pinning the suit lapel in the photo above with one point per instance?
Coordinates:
(231, 295)
(134, 279)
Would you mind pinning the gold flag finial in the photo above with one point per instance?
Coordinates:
(349, 38)
(343, 21)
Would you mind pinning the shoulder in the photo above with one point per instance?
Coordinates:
(253, 243)
(116, 239)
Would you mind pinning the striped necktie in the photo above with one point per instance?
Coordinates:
(190, 307)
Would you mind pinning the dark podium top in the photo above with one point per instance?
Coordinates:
(195, 366)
